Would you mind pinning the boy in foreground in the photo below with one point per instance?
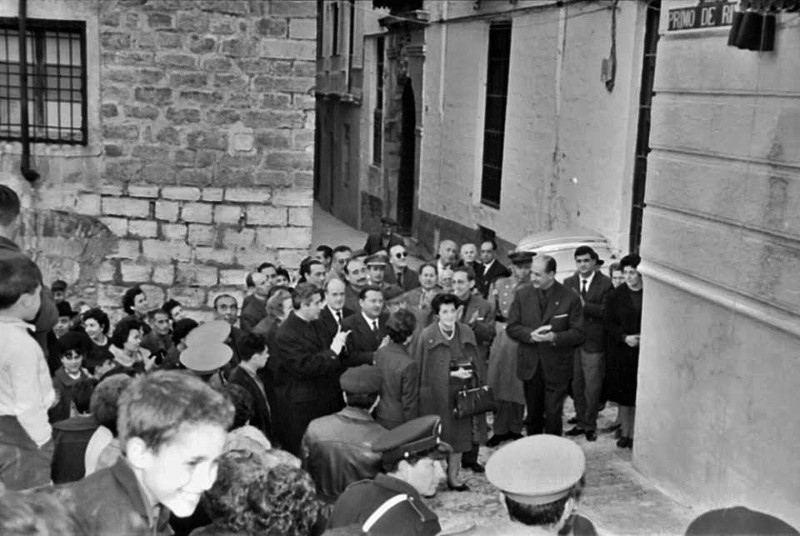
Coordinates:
(172, 428)
(26, 391)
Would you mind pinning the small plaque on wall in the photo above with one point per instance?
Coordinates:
(704, 15)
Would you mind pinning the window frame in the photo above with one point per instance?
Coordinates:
(494, 137)
(38, 30)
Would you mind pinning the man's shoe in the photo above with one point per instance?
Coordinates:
(496, 439)
(573, 420)
(575, 431)
(624, 442)
(591, 435)
(475, 467)
(460, 487)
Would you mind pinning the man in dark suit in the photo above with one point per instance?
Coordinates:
(254, 306)
(367, 328)
(547, 321)
(254, 356)
(334, 312)
(398, 272)
(492, 268)
(587, 377)
(307, 377)
(384, 240)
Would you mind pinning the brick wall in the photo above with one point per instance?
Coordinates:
(206, 142)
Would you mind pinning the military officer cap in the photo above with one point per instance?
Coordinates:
(521, 258)
(206, 358)
(417, 437)
(538, 469)
(388, 221)
(216, 331)
(362, 380)
(376, 260)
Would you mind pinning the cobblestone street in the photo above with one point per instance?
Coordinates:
(617, 498)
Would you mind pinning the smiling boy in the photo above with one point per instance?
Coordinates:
(172, 428)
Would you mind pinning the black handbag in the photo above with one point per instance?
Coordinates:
(473, 400)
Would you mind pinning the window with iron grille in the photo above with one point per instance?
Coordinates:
(495, 120)
(56, 68)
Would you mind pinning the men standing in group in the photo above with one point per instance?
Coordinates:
(307, 375)
(448, 255)
(226, 308)
(502, 374)
(468, 257)
(254, 307)
(356, 274)
(547, 321)
(587, 378)
(398, 271)
(341, 256)
(478, 314)
(334, 312)
(384, 240)
(367, 328)
(492, 268)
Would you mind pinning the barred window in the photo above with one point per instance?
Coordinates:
(56, 57)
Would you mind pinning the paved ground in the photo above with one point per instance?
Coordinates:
(617, 498)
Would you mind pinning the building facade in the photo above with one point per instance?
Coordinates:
(492, 118)
(173, 140)
(716, 421)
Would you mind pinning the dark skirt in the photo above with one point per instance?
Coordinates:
(622, 369)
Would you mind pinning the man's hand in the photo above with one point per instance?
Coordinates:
(339, 340)
(461, 373)
(543, 334)
(632, 340)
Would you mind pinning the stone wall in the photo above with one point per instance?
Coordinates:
(201, 164)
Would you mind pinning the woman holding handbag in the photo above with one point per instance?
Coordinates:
(447, 354)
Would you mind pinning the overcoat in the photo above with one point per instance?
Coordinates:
(622, 319)
(399, 401)
(564, 314)
(434, 353)
(307, 379)
(502, 373)
(483, 328)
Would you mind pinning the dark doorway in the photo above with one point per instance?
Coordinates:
(405, 179)
(643, 131)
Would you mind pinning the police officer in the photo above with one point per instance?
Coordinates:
(541, 478)
(392, 502)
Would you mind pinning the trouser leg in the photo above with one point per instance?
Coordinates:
(554, 395)
(508, 417)
(592, 372)
(578, 388)
(534, 400)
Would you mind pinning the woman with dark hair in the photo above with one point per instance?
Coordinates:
(250, 498)
(447, 355)
(623, 324)
(129, 356)
(134, 303)
(96, 325)
(399, 400)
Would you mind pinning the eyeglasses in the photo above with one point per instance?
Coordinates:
(401, 255)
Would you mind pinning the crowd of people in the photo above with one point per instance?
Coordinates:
(324, 404)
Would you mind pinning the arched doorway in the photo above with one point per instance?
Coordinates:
(405, 180)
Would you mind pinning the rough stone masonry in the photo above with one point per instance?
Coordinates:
(200, 162)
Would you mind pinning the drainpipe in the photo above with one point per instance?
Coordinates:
(25, 163)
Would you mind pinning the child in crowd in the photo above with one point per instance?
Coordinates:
(72, 347)
(172, 428)
(71, 435)
(26, 391)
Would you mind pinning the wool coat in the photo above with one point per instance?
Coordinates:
(622, 319)
(399, 401)
(434, 353)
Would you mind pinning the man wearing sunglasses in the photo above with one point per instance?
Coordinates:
(398, 272)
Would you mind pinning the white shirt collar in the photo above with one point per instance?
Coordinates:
(588, 280)
(370, 321)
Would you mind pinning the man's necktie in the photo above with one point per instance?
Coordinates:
(339, 317)
(583, 287)
(375, 326)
